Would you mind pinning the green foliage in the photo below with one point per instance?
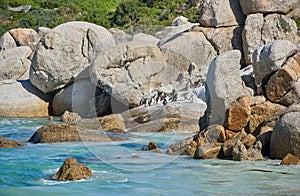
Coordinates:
(108, 13)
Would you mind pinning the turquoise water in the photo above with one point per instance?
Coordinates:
(26, 170)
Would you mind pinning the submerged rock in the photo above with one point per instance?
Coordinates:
(69, 133)
(10, 143)
(72, 170)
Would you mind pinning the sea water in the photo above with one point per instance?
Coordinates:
(121, 168)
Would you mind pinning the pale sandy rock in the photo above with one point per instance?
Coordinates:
(25, 37)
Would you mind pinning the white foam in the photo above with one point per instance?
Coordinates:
(51, 182)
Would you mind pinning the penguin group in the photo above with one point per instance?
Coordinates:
(157, 97)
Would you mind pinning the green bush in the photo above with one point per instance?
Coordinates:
(108, 13)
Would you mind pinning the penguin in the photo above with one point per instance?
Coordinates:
(165, 101)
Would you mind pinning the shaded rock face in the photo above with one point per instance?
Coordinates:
(286, 136)
(220, 13)
(21, 99)
(10, 143)
(75, 97)
(223, 85)
(78, 42)
(270, 58)
(68, 133)
(290, 159)
(260, 30)
(267, 6)
(72, 170)
(279, 88)
(70, 117)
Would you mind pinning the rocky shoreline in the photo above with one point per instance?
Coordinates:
(235, 76)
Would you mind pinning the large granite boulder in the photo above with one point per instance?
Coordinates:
(21, 99)
(72, 170)
(69, 133)
(269, 58)
(25, 37)
(279, 88)
(224, 85)
(194, 47)
(130, 71)
(65, 51)
(75, 98)
(268, 6)
(260, 30)
(220, 13)
(286, 136)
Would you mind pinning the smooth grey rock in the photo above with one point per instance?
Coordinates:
(74, 98)
(7, 41)
(172, 32)
(65, 51)
(194, 47)
(145, 38)
(130, 71)
(22, 53)
(120, 36)
(221, 13)
(13, 68)
(224, 85)
(286, 136)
